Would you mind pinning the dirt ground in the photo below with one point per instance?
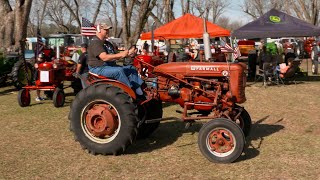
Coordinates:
(35, 142)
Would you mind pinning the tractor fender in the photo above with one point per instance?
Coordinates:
(118, 84)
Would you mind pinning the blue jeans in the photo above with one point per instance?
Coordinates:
(84, 79)
(126, 74)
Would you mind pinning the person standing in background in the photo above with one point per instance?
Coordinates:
(82, 66)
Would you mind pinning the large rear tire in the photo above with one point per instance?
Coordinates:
(19, 75)
(221, 141)
(151, 110)
(103, 119)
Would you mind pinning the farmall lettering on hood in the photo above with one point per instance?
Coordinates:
(204, 68)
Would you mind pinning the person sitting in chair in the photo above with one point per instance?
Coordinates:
(292, 66)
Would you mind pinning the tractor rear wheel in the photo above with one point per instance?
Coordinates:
(24, 97)
(151, 110)
(103, 119)
(244, 121)
(58, 97)
(221, 141)
(19, 74)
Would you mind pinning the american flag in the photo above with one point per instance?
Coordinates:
(40, 44)
(225, 47)
(87, 28)
(236, 53)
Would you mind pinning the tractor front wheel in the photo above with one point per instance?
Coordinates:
(24, 97)
(58, 97)
(103, 119)
(221, 141)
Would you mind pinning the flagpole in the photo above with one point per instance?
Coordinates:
(232, 46)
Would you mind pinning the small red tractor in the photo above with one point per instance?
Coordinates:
(51, 75)
(107, 116)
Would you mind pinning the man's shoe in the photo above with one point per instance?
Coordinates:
(39, 99)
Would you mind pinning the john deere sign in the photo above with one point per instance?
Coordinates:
(275, 19)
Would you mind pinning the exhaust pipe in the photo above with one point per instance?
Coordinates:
(206, 42)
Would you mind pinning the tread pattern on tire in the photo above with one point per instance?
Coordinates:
(153, 111)
(126, 109)
(15, 73)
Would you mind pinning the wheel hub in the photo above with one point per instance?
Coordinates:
(221, 141)
(102, 120)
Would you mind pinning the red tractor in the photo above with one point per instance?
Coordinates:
(107, 116)
(51, 75)
(143, 68)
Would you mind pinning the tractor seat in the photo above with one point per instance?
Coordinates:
(96, 76)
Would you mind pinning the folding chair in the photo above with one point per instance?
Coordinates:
(259, 74)
(270, 73)
(291, 73)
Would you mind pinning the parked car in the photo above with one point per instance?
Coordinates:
(290, 43)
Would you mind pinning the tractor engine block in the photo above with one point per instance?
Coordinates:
(207, 86)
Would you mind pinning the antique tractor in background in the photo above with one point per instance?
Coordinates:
(107, 116)
(51, 75)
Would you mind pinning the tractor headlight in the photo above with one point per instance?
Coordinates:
(55, 66)
(36, 65)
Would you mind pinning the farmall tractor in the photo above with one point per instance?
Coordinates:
(51, 75)
(106, 117)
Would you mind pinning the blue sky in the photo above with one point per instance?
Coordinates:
(234, 12)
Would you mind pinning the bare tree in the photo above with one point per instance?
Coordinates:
(185, 6)
(99, 3)
(218, 8)
(131, 36)
(37, 16)
(59, 14)
(256, 8)
(168, 10)
(307, 10)
(14, 28)
(207, 7)
(110, 12)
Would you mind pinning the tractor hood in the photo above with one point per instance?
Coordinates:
(204, 69)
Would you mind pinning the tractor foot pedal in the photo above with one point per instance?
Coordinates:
(189, 124)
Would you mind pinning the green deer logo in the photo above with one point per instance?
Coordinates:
(275, 19)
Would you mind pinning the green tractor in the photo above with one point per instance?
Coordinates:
(13, 68)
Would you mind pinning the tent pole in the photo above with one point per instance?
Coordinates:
(232, 46)
(306, 60)
(152, 37)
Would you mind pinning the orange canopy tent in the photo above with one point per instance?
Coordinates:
(187, 26)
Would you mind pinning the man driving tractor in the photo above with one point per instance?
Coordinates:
(102, 60)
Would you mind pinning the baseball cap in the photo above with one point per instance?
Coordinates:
(105, 26)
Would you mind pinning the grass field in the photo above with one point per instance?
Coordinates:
(35, 142)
